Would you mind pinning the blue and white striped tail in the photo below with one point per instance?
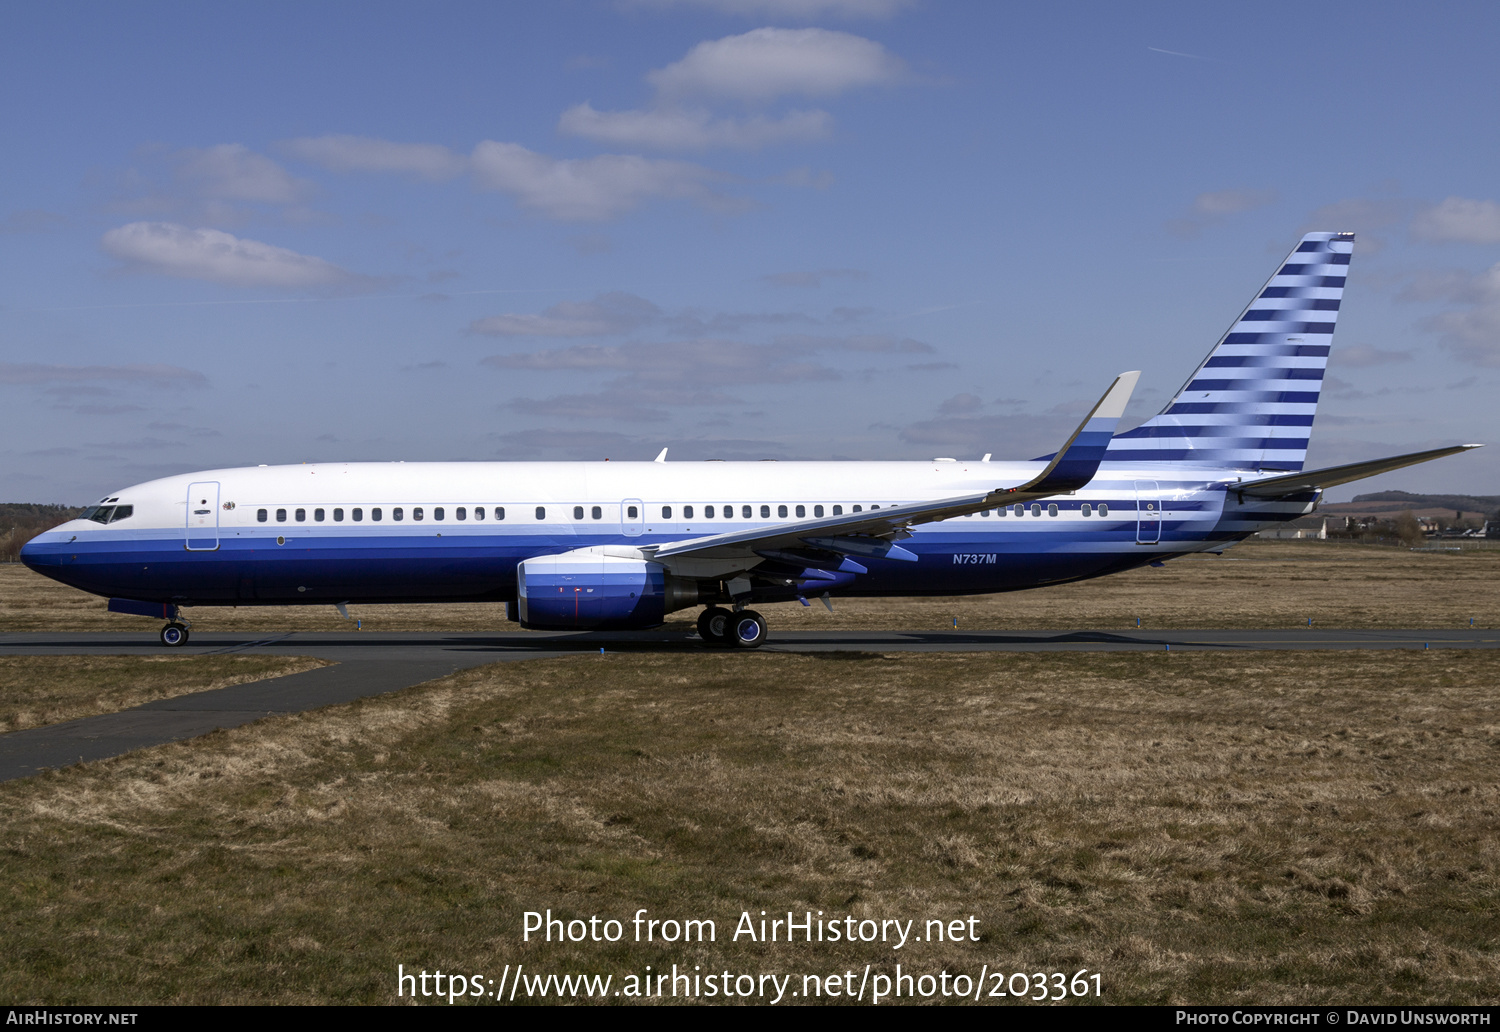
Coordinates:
(1250, 405)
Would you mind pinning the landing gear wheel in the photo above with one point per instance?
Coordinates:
(174, 634)
(747, 629)
(713, 626)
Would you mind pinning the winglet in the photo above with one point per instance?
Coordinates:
(1077, 461)
(662, 457)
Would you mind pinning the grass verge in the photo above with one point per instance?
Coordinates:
(38, 690)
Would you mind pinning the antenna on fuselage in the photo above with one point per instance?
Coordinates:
(661, 457)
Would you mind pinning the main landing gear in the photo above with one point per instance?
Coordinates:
(745, 629)
(174, 634)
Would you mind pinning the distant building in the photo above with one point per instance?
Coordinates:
(1302, 529)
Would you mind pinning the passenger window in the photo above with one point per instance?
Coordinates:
(666, 512)
(461, 513)
(280, 515)
(838, 510)
(416, 513)
(874, 507)
(858, 509)
(687, 512)
(708, 512)
(817, 510)
(1020, 509)
(801, 511)
(631, 512)
(597, 513)
(398, 514)
(781, 511)
(437, 512)
(1036, 509)
(318, 515)
(374, 515)
(1086, 509)
(358, 515)
(1103, 509)
(984, 512)
(478, 512)
(578, 512)
(301, 515)
(765, 512)
(338, 515)
(499, 512)
(1000, 511)
(1052, 510)
(541, 512)
(260, 515)
(744, 512)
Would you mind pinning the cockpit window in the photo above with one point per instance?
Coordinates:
(107, 513)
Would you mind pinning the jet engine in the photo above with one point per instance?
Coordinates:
(592, 590)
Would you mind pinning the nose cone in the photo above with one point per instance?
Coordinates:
(43, 551)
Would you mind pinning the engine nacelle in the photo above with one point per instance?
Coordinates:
(589, 590)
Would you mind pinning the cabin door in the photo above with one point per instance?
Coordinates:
(1147, 512)
(203, 516)
(632, 517)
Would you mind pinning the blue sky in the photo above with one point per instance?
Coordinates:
(235, 234)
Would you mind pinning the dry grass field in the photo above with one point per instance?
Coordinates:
(1194, 827)
(1266, 828)
(1255, 584)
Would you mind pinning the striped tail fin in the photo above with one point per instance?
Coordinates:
(1250, 405)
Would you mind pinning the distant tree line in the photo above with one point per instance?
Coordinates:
(1457, 502)
(19, 523)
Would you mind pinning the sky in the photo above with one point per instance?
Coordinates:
(234, 234)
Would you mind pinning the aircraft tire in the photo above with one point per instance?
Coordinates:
(174, 635)
(747, 629)
(713, 626)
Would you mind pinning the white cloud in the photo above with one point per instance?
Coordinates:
(210, 254)
(664, 370)
(1230, 202)
(616, 312)
(1364, 355)
(763, 64)
(813, 278)
(696, 129)
(801, 9)
(1459, 220)
(1213, 207)
(156, 375)
(232, 172)
(1472, 333)
(342, 153)
(589, 189)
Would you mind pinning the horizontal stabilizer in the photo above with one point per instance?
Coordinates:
(1312, 480)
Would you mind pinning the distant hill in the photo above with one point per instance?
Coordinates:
(1407, 500)
(22, 521)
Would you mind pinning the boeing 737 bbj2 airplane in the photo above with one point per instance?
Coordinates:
(609, 546)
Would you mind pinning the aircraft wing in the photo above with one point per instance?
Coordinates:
(873, 532)
(1312, 480)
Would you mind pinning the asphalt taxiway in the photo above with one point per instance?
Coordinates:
(371, 663)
